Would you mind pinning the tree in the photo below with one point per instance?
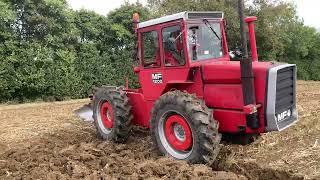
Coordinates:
(280, 35)
(48, 51)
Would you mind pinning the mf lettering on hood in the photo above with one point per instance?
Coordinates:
(284, 115)
(157, 78)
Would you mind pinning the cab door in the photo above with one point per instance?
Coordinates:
(174, 53)
(151, 73)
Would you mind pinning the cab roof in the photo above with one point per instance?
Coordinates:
(185, 16)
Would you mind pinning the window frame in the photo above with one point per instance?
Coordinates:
(182, 24)
(142, 62)
(183, 43)
(196, 22)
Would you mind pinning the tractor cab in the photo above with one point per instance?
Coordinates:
(181, 39)
(172, 44)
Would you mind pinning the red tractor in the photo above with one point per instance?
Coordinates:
(190, 92)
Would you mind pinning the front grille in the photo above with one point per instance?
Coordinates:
(285, 89)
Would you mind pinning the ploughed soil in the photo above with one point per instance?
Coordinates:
(46, 141)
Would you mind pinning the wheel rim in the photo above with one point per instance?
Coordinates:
(178, 133)
(175, 134)
(105, 116)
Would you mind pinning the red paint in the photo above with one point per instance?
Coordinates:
(228, 96)
(127, 82)
(180, 145)
(224, 42)
(106, 114)
(197, 87)
(250, 20)
(225, 72)
(140, 110)
(229, 105)
(229, 120)
(136, 70)
(216, 81)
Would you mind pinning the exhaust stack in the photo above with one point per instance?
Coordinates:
(254, 54)
(247, 78)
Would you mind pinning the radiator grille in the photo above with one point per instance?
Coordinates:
(285, 91)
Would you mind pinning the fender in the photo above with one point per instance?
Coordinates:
(177, 85)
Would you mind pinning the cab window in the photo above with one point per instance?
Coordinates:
(205, 41)
(150, 49)
(172, 40)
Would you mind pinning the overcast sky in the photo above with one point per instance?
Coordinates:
(309, 10)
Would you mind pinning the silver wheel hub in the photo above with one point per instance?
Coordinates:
(108, 115)
(99, 119)
(179, 132)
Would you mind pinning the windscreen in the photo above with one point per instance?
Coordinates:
(204, 40)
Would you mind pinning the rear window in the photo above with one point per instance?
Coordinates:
(150, 49)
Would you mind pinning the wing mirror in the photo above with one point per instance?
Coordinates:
(136, 70)
(236, 53)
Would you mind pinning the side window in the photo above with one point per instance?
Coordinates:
(172, 40)
(150, 49)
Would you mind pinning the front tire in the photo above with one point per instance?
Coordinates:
(111, 114)
(183, 127)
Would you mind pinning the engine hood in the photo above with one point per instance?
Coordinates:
(228, 72)
(274, 85)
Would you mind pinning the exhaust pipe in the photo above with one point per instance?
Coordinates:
(247, 77)
(253, 46)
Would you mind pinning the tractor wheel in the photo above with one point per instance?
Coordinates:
(111, 114)
(183, 127)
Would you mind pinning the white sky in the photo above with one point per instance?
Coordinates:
(99, 6)
(307, 9)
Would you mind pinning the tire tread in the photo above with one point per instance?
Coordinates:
(201, 115)
(122, 113)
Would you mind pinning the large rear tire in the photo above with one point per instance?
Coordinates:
(183, 127)
(111, 114)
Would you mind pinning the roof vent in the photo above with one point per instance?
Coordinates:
(205, 15)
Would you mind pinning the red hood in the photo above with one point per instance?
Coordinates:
(228, 72)
(223, 90)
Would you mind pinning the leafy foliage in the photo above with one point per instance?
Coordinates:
(48, 51)
(280, 34)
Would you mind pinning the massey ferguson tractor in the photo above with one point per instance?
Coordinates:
(191, 92)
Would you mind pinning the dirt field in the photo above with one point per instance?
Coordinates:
(45, 141)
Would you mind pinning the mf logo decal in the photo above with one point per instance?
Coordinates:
(282, 116)
(157, 78)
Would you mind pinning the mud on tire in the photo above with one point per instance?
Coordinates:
(204, 129)
(112, 114)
